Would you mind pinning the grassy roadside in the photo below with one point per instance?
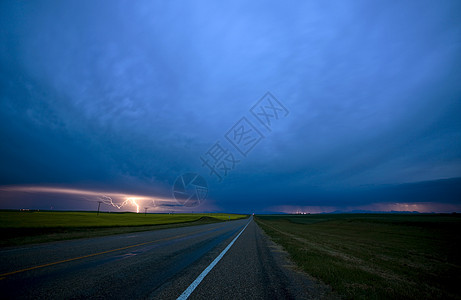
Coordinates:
(378, 256)
(20, 228)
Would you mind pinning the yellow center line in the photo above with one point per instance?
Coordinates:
(2, 276)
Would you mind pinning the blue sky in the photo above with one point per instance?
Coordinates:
(120, 98)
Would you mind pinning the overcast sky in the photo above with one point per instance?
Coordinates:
(107, 98)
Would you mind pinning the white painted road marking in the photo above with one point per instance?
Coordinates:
(199, 279)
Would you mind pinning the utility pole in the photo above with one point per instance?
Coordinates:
(145, 210)
(99, 204)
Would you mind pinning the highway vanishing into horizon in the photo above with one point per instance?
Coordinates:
(229, 260)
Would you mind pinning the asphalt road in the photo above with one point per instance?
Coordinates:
(158, 264)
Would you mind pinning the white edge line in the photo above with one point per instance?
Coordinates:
(199, 279)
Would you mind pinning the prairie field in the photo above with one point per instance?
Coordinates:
(25, 227)
(375, 256)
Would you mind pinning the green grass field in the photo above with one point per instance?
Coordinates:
(15, 219)
(375, 256)
(17, 228)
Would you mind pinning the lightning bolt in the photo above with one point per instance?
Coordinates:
(129, 200)
(133, 201)
(117, 200)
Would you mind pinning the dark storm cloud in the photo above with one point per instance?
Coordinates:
(127, 96)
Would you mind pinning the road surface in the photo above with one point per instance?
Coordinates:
(238, 261)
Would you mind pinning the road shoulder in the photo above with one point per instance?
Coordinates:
(257, 268)
(301, 284)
